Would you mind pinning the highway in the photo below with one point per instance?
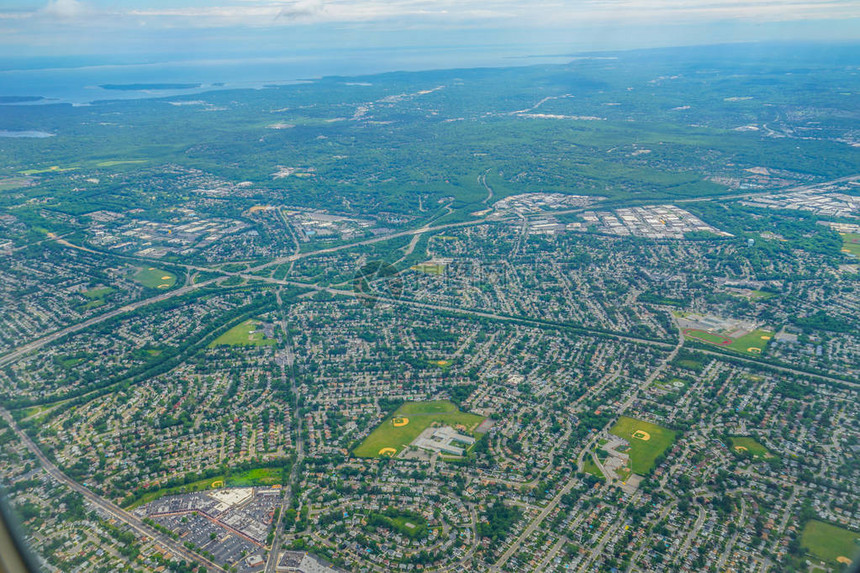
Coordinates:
(140, 528)
(24, 349)
(178, 549)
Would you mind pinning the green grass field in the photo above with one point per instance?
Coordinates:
(693, 365)
(671, 383)
(707, 337)
(590, 467)
(642, 451)
(420, 415)
(408, 523)
(829, 542)
(752, 343)
(51, 169)
(95, 297)
(755, 449)
(248, 478)
(430, 268)
(761, 295)
(851, 243)
(243, 335)
(115, 162)
(95, 293)
(152, 277)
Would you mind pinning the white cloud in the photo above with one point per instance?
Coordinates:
(64, 9)
(442, 13)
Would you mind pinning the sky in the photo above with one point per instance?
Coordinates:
(153, 30)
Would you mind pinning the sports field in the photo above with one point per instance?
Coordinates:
(829, 542)
(647, 441)
(749, 445)
(152, 277)
(751, 343)
(400, 428)
(851, 243)
(244, 334)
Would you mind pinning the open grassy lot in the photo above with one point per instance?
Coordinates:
(114, 162)
(257, 476)
(248, 478)
(244, 334)
(392, 435)
(95, 293)
(755, 449)
(761, 295)
(752, 343)
(590, 467)
(708, 337)
(851, 244)
(430, 268)
(829, 542)
(95, 297)
(647, 441)
(152, 277)
(51, 169)
(408, 523)
(690, 364)
(8, 183)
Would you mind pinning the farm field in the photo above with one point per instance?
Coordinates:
(152, 277)
(244, 334)
(829, 542)
(647, 442)
(400, 428)
(755, 449)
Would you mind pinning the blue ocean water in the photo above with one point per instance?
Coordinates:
(82, 84)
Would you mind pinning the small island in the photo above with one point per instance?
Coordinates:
(141, 87)
(20, 99)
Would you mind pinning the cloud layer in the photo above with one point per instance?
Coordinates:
(65, 27)
(551, 13)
